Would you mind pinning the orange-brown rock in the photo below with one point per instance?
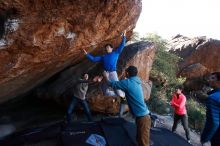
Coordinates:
(184, 46)
(200, 57)
(104, 104)
(43, 37)
(194, 70)
(207, 55)
(140, 55)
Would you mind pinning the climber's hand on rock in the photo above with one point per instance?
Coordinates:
(85, 52)
(124, 33)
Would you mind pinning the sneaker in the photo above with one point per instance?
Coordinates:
(151, 143)
(189, 141)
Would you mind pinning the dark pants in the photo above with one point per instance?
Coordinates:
(215, 141)
(72, 105)
(143, 130)
(184, 121)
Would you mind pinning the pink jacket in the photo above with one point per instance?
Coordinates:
(179, 104)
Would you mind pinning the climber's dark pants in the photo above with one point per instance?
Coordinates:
(72, 105)
(184, 121)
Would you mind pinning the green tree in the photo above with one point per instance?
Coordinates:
(196, 113)
(163, 74)
(165, 63)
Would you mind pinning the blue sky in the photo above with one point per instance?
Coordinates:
(191, 18)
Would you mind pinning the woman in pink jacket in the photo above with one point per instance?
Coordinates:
(179, 104)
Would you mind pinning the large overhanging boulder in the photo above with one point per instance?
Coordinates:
(200, 56)
(38, 39)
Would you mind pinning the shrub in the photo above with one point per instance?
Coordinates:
(157, 103)
(196, 114)
(163, 75)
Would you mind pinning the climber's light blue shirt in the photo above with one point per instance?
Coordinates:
(134, 95)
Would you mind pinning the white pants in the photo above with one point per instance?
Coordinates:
(107, 90)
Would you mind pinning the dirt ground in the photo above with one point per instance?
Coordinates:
(167, 122)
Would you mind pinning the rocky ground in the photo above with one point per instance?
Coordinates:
(167, 122)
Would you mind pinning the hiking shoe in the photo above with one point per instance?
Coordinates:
(189, 141)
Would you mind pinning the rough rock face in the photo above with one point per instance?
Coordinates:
(60, 87)
(200, 57)
(40, 38)
(184, 46)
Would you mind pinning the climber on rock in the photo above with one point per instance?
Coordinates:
(109, 61)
